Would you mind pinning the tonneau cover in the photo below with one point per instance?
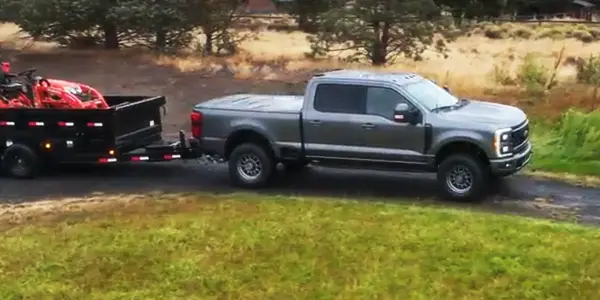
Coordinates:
(256, 102)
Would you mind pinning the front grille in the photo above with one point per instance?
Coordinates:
(520, 136)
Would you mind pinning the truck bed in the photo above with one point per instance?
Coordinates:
(256, 103)
(276, 116)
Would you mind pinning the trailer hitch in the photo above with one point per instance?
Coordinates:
(182, 141)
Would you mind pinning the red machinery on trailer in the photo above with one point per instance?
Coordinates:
(26, 90)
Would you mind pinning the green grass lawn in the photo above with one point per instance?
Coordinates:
(246, 247)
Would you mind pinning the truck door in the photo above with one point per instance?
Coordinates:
(332, 126)
(388, 140)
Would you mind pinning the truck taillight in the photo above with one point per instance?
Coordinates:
(196, 119)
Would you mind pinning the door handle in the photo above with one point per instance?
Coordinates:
(368, 125)
(315, 122)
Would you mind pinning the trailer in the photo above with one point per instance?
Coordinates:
(130, 130)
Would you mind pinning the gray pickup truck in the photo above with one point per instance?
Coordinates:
(366, 120)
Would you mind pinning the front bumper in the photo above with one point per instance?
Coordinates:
(510, 165)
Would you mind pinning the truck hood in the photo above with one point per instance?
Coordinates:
(497, 115)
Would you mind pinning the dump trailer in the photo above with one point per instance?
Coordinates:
(129, 131)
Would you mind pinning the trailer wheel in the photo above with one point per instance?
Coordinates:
(251, 166)
(20, 161)
(462, 177)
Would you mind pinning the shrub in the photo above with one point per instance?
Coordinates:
(521, 32)
(501, 75)
(532, 74)
(552, 33)
(570, 145)
(588, 70)
(494, 32)
(506, 27)
(595, 32)
(582, 35)
(576, 138)
(477, 31)
(580, 134)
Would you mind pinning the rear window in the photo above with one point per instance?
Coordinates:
(341, 98)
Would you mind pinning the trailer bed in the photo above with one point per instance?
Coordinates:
(130, 130)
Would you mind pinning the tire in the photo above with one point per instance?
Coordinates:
(249, 176)
(20, 161)
(460, 190)
(294, 166)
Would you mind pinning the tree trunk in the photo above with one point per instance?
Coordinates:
(111, 38)
(161, 39)
(380, 45)
(303, 23)
(208, 45)
(378, 57)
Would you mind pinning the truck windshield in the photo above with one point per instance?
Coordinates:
(430, 94)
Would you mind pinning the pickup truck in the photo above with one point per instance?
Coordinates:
(366, 120)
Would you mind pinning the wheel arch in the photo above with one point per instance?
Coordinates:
(464, 146)
(246, 135)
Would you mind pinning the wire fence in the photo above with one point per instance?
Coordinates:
(559, 18)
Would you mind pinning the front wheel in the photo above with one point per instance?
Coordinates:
(251, 166)
(462, 177)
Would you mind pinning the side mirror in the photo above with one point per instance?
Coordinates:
(402, 113)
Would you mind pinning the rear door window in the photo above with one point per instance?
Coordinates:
(341, 98)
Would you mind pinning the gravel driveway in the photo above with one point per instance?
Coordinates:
(518, 194)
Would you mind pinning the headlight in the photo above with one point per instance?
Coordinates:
(503, 142)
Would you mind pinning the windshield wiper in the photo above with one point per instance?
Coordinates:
(457, 105)
(444, 107)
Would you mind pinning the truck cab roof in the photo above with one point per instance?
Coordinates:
(399, 78)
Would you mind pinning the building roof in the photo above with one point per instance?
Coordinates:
(260, 6)
(583, 3)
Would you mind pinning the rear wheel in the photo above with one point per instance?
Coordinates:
(462, 177)
(20, 161)
(251, 166)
